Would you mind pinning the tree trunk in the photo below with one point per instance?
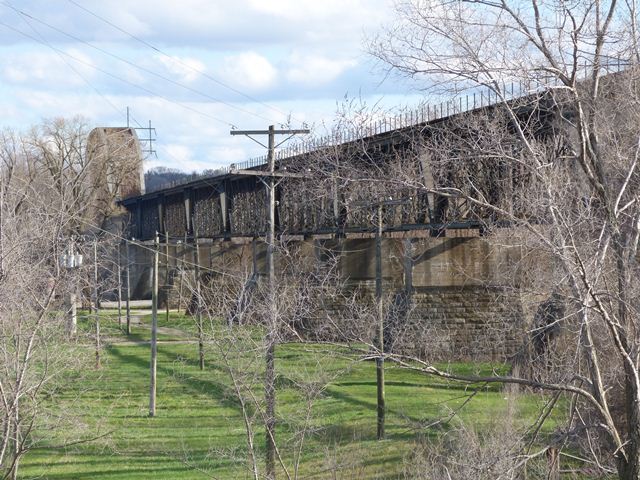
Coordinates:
(629, 464)
(629, 467)
(553, 464)
(16, 442)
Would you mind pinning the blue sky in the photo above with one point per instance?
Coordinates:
(173, 63)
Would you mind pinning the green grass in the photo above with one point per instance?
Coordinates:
(198, 431)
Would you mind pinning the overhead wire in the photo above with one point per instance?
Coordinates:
(73, 69)
(122, 238)
(105, 72)
(179, 61)
(62, 55)
(133, 64)
(93, 87)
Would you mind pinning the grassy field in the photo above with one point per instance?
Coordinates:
(198, 431)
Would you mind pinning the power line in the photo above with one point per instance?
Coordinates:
(177, 60)
(140, 87)
(62, 55)
(103, 96)
(116, 236)
(133, 64)
(98, 92)
(93, 87)
(73, 69)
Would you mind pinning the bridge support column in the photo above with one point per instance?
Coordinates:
(138, 232)
(224, 212)
(187, 211)
(161, 228)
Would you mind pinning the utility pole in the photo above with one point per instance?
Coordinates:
(380, 334)
(95, 300)
(166, 279)
(128, 299)
(154, 329)
(73, 319)
(71, 261)
(119, 287)
(196, 255)
(181, 271)
(379, 338)
(271, 338)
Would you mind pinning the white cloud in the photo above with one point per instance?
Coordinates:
(298, 56)
(224, 155)
(38, 67)
(178, 156)
(186, 69)
(352, 12)
(295, 9)
(249, 70)
(314, 70)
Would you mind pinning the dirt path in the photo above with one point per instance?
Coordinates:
(136, 319)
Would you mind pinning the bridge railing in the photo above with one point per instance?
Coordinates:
(423, 114)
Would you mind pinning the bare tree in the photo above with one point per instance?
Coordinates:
(554, 157)
(33, 346)
(239, 309)
(45, 195)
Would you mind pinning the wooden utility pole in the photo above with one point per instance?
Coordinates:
(380, 333)
(119, 287)
(379, 338)
(166, 278)
(270, 357)
(154, 329)
(73, 311)
(271, 337)
(72, 261)
(182, 271)
(96, 303)
(196, 254)
(128, 298)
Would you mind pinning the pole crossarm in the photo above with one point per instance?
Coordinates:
(249, 134)
(267, 132)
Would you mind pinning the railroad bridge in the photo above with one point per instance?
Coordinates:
(441, 245)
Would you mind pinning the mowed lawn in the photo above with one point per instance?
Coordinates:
(199, 433)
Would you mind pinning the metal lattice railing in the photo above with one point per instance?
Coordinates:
(423, 114)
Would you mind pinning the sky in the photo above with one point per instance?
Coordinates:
(194, 68)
